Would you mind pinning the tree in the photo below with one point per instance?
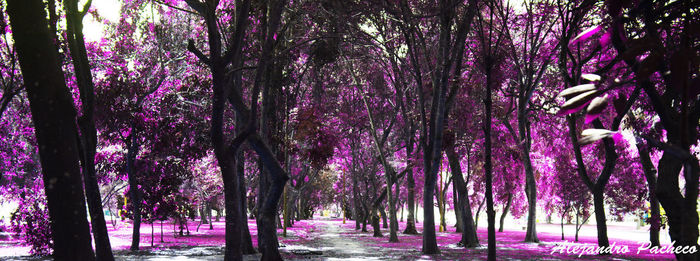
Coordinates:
(450, 51)
(225, 153)
(671, 57)
(531, 59)
(490, 34)
(87, 138)
(54, 120)
(572, 69)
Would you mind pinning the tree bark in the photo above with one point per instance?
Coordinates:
(375, 226)
(382, 214)
(88, 134)
(650, 175)
(562, 225)
(458, 210)
(505, 211)
(376, 205)
(133, 187)
(469, 237)
(203, 215)
(681, 211)
(53, 114)
(530, 183)
(411, 220)
(596, 187)
(488, 169)
(389, 171)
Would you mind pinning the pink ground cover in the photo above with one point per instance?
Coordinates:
(509, 243)
(313, 234)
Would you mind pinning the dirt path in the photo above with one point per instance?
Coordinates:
(326, 241)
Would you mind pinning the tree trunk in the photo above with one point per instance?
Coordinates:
(395, 222)
(478, 211)
(429, 240)
(411, 204)
(203, 215)
(53, 115)
(389, 172)
(375, 226)
(596, 187)
(530, 183)
(356, 199)
(246, 239)
(382, 214)
(469, 237)
(491, 215)
(211, 225)
(233, 250)
(133, 188)
(161, 232)
(562, 226)
(441, 205)
(680, 210)
(152, 234)
(650, 175)
(88, 134)
(458, 210)
(505, 211)
(364, 222)
(599, 207)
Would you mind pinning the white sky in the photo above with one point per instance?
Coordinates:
(109, 10)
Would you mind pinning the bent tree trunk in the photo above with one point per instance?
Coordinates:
(86, 123)
(374, 213)
(53, 115)
(247, 241)
(597, 186)
(680, 210)
(469, 237)
(505, 211)
(650, 175)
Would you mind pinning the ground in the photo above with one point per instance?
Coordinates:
(330, 239)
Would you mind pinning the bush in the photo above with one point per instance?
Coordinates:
(31, 219)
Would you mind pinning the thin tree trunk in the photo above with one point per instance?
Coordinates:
(505, 211)
(161, 232)
(491, 215)
(133, 188)
(389, 172)
(530, 183)
(562, 224)
(382, 214)
(88, 134)
(478, 211)
(650, 175)
(246, 239)
(456, 206)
